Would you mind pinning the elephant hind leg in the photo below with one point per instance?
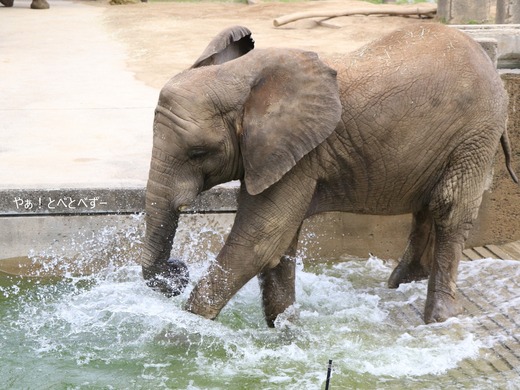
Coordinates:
(454, 207)
(441, 300)
(7, 3)
(278, 284)
(417, 259)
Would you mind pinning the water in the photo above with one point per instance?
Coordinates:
(107, 330)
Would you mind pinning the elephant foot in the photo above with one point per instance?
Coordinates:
(172, 280)
(440, 307)
(203, 310)
(198, 303)
(278, 289)
(289, 315)
(212, 292)
(39, 4)
(7, 3)
(406, 273)
(276, 314)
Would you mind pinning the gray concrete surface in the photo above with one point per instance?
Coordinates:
(75, 127)
(71, 114)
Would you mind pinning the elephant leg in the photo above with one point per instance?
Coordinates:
(7, 3)
(278, 284)
(264, 227)
(418, 255)
(441, 299)
(39, 4)
(454, 207)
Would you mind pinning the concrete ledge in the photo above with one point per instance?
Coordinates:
(64, 225)
(507, 37)
(73, 201)
(38, 224)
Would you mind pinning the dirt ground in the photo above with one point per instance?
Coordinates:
(165, 38)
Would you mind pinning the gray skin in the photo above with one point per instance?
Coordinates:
(35, 4)
(407, 124)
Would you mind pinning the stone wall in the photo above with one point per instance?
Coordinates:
(501, 220)
(507, 11)
(507, 39)
(465, 11)
(478, 11)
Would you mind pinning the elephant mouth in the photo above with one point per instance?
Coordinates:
(172, 279)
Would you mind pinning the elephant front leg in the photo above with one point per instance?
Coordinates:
(265, 226)
(221, 281)
(278, 285)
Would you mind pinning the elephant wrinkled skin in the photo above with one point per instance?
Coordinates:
(407, 124)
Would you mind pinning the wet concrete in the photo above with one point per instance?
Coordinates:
(495, 319)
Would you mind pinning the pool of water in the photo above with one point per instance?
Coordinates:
(107, 330)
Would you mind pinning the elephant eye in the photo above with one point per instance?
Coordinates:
(197, 153)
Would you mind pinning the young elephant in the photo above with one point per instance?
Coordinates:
(407, 124)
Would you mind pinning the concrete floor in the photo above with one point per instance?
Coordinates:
(71, 113)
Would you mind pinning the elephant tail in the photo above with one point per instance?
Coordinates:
(506, 147)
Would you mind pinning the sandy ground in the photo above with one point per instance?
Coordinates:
(164, 38)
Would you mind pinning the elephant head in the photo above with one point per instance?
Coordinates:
(230, 117)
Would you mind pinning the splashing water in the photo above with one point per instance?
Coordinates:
(108, 330)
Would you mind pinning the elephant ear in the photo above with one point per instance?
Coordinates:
(293, 106)
(229, 44)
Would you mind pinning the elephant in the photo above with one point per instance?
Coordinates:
(35, 4)
(409, 123)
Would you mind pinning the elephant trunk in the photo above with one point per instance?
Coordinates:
(166, 275)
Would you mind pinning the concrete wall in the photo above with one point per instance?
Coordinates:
(507, 11)
(67, 233)
(465, 11)
(507, 38)
(478, 11)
